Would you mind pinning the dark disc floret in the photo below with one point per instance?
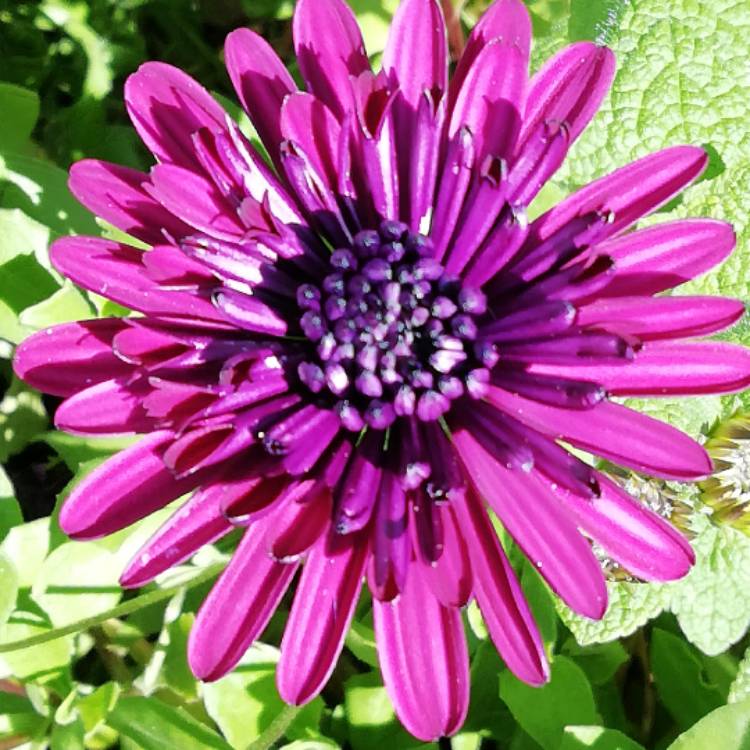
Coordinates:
(392, 335)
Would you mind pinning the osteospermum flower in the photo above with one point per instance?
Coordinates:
(350, 353)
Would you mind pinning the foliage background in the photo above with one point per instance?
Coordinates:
(85, 665)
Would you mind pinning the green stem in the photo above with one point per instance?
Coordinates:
(276, 729)
(126, 608)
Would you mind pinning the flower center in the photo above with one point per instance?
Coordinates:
(392, 334)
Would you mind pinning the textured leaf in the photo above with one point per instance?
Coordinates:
(740, 688)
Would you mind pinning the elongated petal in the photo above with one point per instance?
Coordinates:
(116, 194)
(533, 518)
(167, 106)
(127, 487)
(322, 610)
(666, 368)
(196, 201)
(492, 99)
(238, 608)
(569, 88)
(438, 658)
(199, 521)
(662, 317)
(261, 81)
(115, 271)
(615, 432)
(666, 255)
(504, 608)
(415, 58)
(64, 359)
(504, 19)
(628, 193)
(450, 577)
(330, 51)
(82, 414)
(641, 541)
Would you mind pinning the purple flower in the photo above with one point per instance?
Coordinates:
(351, 352)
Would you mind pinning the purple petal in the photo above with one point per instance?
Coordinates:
(238, 607)
(115, 271)
(534, 519)
(628, 193)
(299, 526)
(167, 106)
(330, 51)
(492, 99)
(127, 487)
(641, 541)
(323, 608)
(666, 368)
(504, 19)
(261, 81)
(197, 522)
(415, 58)
(250, 313)
(499, 596)
(64, 359)
(309, 123)
(569, 89)
(651, 318)
(438, 658)
(666, 255)
(615, 432)
(116, 194)
(196, 201)
(391, 543)
(82, 414)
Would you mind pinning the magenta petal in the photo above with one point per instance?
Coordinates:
(167, 106)
(116, 194)
(64, 359)
(666, 255)
(238, 608)
(492, 99)
(329, 50)
(322, 610)
(504, 19)
(199, 521)
(261, 81)
(415, 58)
(310, 124)
(615, 432)
(650, 318)
(82, 414)
(569, 88)
(196, 201)
(628, 193)
(115, 271)
(421, 643)
(534, 519)
(641, 541)
(499, 596)
(127, 487)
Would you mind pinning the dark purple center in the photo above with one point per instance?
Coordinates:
(393, 334)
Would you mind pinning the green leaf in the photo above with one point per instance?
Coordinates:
(672, 85)
(76, 450)
(372, 723)
(541, 601)
(20, 111)
(22, 418)
(10, 510)
(711, 602)
(26, 547)
(679, 679)
(630, 606)
(599, 661)
(544, 712)
(156, 726)
(740, 687)
(245, 703)
(360, 640)
(8, 588)
(21, 235)
(65, 305)
(692, 415)
(78, 580)
(596, 738)
(727, 728)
